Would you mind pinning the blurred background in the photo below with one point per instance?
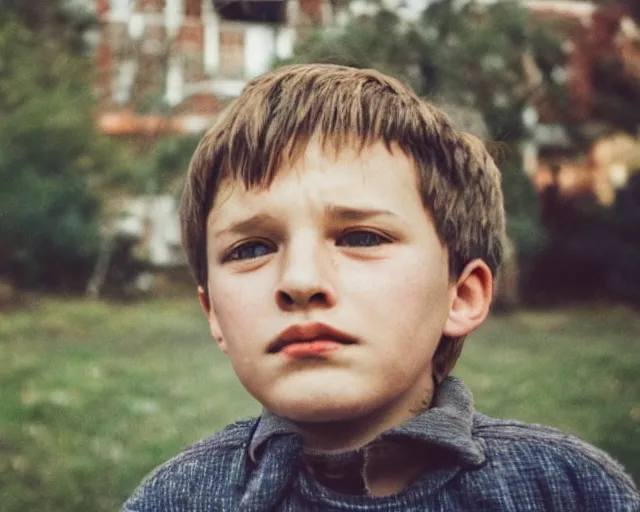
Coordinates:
(107, 366)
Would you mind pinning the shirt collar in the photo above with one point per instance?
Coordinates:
(447, 424)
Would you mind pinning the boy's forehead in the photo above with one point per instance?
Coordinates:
(339, 172)
(335, 184)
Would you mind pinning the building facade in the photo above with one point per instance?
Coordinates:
(168, 66)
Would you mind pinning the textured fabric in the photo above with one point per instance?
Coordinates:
(487, 465)
(439, 437)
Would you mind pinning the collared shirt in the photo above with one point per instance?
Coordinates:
(471, 463)
(437, 438)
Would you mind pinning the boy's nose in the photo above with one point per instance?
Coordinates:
(306, 277)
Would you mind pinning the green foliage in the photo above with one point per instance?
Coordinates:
(475, 59)
(53, 22)
(377, 42)
(476, 56)
(50, 162)
(524, 226)
(163, 168)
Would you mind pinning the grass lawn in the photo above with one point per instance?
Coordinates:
(94, 395)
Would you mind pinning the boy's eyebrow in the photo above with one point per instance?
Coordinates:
(255, 222)
(263, 220)
(350, 213)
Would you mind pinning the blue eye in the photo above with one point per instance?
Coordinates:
(249, 251)
(362, 239)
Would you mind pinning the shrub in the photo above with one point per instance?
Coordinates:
(50, 153)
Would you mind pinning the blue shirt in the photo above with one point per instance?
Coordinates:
(478, 464)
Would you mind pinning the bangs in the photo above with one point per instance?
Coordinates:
(280, 115)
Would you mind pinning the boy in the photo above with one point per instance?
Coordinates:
(344, 239)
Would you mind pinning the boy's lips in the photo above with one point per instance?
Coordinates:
(317, 337)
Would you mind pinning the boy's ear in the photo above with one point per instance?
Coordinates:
(212, 319)
(471, 298)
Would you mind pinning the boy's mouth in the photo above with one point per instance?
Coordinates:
(313, 337)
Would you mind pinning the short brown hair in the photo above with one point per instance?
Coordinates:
(272, 121)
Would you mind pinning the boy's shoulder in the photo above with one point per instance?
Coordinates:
(548, 454)
(543, 440)
(527, 460)
(215, 461)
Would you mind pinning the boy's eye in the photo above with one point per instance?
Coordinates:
(362, 239)
(250, 250)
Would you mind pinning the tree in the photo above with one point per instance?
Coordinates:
(52, 22)
(370, 42)
(487, 57)
(51, 161)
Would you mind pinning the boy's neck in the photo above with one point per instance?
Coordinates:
(354, 433)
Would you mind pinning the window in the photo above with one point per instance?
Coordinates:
(175, 82)
(125, 76)
(173, 14)
(121, 10)
(231, 64)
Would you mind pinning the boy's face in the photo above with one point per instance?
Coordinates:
(335, 244)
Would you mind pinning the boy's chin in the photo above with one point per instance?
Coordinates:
(339, 397)
(329, 415)
(322, 411)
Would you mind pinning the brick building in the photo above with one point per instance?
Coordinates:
(168, 66)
